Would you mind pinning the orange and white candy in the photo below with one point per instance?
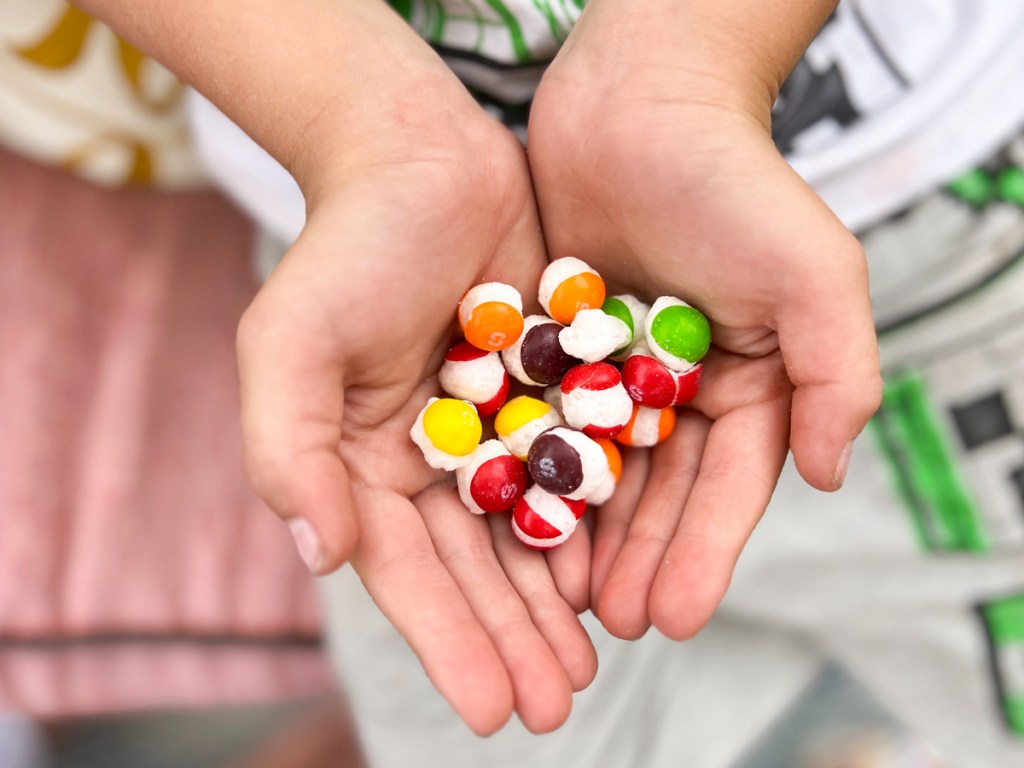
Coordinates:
(491, 316)
(567, 286)
(648, 426)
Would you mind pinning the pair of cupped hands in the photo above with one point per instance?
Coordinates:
(664, 178)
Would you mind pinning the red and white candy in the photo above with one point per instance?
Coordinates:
(567, 463)
(469, 373)
(594, 400)
(493, 481)
(542, 520)
(653, 385)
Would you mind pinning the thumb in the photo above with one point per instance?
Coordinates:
(828, 343)
(292, 403)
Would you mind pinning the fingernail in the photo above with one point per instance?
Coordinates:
(308, 543)
(839, 476)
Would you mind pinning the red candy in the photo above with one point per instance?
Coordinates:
(498, 484)
(652, 385)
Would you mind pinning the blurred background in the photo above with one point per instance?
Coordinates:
(154, 614)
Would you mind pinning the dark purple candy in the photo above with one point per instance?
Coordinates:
(555, 465)
(542, 356)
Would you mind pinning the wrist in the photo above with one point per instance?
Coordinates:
(730, 54)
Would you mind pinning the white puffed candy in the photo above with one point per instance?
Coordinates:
(594, 400)
(594, 335)
(469, 373)
(633, 313)
(542, 520)
(553, 397)
(602, 494)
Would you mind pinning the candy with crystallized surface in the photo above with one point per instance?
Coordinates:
(594, 400)
(491, 316)
(542, 520)
(594, 335)
(447, 431)
(632, 313)
(553, 397)
(652, 385)
(520, 420)
(687, 384)
(469, 373)
(567, 463)
(567, 286)
(678, 334)
(537, 358)
(648, 427)
(493, 481)
(614, 460)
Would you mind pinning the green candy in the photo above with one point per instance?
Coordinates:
(682, 332)
(617, 308)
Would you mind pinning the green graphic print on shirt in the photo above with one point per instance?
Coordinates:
(504, 31)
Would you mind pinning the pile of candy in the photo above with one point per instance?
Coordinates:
(563, 441)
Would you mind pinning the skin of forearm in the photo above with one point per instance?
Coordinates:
(740, 50)
(319, 83)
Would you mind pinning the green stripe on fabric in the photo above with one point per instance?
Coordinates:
(975, 187)
(882, 429)
(514, 30)
(557, 31)
(1013, 706)
(930, 464)
(403, 7)
(1005, 619)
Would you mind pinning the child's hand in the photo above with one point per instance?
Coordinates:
(661, 173)
(413, 195)
(339, 352)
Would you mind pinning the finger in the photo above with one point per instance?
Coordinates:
(556, 620)
(569, 564)
(611, 520)
(541, 689)
(623, 603)
(291, 409)
(401, 570)
(521, 257)
(828, 341)
(745, 450)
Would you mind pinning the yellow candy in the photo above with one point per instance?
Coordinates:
(453, 426)
(517, 412)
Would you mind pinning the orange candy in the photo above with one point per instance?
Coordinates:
(611, 452)
(582, 291)
(493, 326)
(648, 426)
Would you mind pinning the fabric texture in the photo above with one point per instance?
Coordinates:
(136, 567)
(75, 95)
